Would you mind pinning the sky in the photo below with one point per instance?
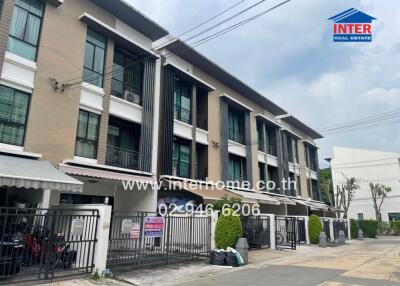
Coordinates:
(288, 55)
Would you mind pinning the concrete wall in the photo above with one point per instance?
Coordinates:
(368, 166)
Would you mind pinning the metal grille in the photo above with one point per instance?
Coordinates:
(46, 243)
(339, 225)
(327, 228)
(301, 231)
(182, 237)
(257, 231)
(285, 235)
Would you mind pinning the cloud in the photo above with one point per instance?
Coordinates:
(388, 97)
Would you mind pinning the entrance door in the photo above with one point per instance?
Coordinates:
(285, 232)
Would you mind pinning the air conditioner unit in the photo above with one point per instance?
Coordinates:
(132, 97)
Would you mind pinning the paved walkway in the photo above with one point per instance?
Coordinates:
(369, 263)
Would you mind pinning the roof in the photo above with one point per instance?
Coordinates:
(35, 174)
(293, 121)
(352, 16)
(189, 54)
(261, 198)
(129, 15)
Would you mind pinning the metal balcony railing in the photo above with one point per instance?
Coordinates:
(202, 121)
(125, 91)
(182, 114)
(123, 158)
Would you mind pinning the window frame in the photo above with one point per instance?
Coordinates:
(178, 103)
(236, 160)
(237, 116)
(87, 41)
(26, 117)
(25, 27)
(87, 130)
(177, 164)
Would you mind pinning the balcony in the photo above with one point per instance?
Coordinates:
(182, 114)
(126, 92)
(202, 121)
(122, 158)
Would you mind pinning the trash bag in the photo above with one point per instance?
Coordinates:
(217, 257)
(231, 259)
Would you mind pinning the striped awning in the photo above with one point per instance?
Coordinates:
(35, 174)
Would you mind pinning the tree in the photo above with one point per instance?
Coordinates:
(345, 194)
(379, 193)
(326, 185)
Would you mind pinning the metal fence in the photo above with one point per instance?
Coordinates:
(38, 244)
(141, 239)
(285, 232)
(326, 226)
(257, 230)
(339, 225)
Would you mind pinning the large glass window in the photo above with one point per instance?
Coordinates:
(127, 77)
(271, 141)
(260, 136)
(181, 160)
(236, 169)
(394, 216)
(87, 134)
(13, 114)
(93, 66)
(235, 126)
(183, 101)
(24, 32)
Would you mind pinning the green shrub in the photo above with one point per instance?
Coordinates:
(369, 228)
(225, 201)
(314, 229)
(228, 230)
(386, 228)
(354, 229)
(395, 227)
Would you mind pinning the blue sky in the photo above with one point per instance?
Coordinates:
(288, 55)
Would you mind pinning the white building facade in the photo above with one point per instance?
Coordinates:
(368, 166)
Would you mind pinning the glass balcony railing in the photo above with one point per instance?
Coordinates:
(182, 114)
(126, 92)
(202, 121)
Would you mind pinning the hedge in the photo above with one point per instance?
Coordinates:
(354, 229)
(369, 228)
(314, 229)
(228, 230)
(395, 227)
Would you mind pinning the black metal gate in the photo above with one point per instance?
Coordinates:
(301, 237)
(338, 226)
(133, 244)
(38, 244)
(257, 231)
(286, 232)
(327, 228)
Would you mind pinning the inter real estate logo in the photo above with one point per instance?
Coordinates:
(352, 26)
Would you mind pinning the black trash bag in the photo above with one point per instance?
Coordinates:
(217, 258)
(231, 259)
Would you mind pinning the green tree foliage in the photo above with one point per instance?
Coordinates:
(228, 230)
(354, 229)
(379, 193)
(395, 227)
(326, 185)
(227, 202)
(369, 228)
(314, 229)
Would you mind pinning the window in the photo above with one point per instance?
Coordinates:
(236, 169)
(25, 28)
(87, 134)
(394, 216)
(127, 77)
(261, 172)
(271, 141)
(260, 136)
(13, 115)
(360, 216)
(295, 151)
(235, 126)
(94, 58)
(298, 186)
(273, 176)
(181, 160)
(182, 101)
(75, 199)
(289, 141)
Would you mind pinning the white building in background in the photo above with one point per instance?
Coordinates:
(368, 166)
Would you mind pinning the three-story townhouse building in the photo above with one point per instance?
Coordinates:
(91, 96)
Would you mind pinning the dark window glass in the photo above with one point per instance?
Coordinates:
(13, 114)
(261, 171)
(75, 199)
(271, 141)
(260, 136)
(87, 134)
(25, 28)
(181, 160)
(394, 216)
(236, 167)
(360, 216)
(182, 99)
(127, 78)
(236, 126)
(93, 66)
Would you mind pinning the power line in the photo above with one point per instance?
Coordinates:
(369, 161)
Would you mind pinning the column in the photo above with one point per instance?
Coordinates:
(194, 124)
(224, 140)
(6, 11)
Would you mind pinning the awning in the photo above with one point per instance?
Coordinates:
(282, 199)
(261, 198)
(312, 205)
(209, 193)
(102, 174)
(35, 174)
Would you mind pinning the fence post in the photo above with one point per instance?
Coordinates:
(272, 231)
(103, 231)
(306, 218)
(214, 218)
(349, 229)
(331, 230)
